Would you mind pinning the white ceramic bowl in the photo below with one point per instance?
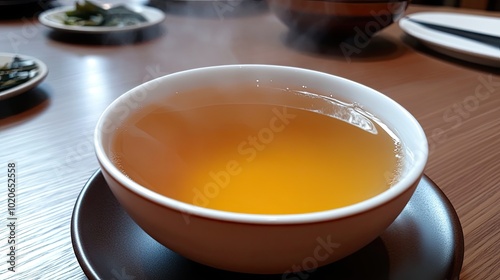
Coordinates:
(254, 243)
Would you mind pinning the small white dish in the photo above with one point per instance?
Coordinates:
(33, 82)
(54, 18)
(453, 45)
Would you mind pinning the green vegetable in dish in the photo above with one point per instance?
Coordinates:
(17, 72)
(90, 14)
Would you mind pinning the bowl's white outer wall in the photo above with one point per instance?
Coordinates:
(263, 243)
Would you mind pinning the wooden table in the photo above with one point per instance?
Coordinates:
(47, 132)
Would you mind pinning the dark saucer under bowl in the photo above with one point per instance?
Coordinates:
(425, 242)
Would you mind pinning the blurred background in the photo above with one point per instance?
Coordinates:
(19, 8)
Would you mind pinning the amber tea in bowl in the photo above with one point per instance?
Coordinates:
(249, 168)
(254, 157)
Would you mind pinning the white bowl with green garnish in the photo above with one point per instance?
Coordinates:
(19, 73)
(67, 19)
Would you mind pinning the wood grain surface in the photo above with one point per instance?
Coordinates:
(47, 132)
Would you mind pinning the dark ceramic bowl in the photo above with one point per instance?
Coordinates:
(338, 19)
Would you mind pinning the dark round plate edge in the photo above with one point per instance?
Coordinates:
(75, 239)
(453, 274)
(458, 235)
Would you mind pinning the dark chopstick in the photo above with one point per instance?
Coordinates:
(483, 38)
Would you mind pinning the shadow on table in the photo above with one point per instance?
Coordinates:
(24, 106)
(415, 44)
(350, 50)
(111, 38)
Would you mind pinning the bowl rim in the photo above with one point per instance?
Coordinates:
(405, 184)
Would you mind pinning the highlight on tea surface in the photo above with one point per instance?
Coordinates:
(260, 153)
